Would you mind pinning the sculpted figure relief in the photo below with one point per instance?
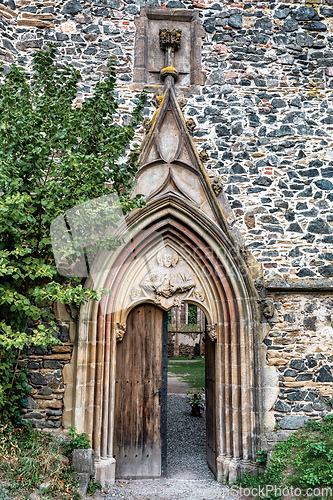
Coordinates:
(168, 278)
(212, 331)
(120, 331)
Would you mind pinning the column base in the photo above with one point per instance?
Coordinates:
(105, 471)
(230, 469)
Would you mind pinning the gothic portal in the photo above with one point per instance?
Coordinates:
(181, 249)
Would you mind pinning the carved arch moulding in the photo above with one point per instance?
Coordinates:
(165, 276)
(180, 247)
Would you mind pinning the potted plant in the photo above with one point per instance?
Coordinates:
(196, 399)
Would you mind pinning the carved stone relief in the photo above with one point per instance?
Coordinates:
(268, 308)
(168, 282)
(120, 331)
(156, 28)
(168, 277)
(199, 293)
(212, 332)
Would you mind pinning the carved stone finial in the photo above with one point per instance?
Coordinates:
(120, 331)
(170, 39)
(169, 43)
(268, 309)
(217, 184)
(203, 155)
(212, 332)
(157, 99)
(190, 125)
(147, 124)
(199, 294)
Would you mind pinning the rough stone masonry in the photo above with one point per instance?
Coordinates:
(264, 116)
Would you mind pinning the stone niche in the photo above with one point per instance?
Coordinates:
(149, 58)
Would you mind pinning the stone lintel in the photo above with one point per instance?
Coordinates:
(300, 285)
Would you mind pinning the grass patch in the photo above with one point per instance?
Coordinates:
(29, 458)
(304, 460)
(184, 358)
(191, 372)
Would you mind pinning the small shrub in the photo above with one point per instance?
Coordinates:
(304, 460)
(196, 399)
(93, 487)
(77, 442)
(29, 458)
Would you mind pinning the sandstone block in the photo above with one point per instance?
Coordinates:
(54, 403)
(35, 23)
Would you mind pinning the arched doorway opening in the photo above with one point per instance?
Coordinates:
(191, 377)
(178, 248)
(141, 401)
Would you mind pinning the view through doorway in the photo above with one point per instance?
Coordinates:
(187, 448)
(155, 433)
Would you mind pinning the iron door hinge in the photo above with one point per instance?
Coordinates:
(159, 392)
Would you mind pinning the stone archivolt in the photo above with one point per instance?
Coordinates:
(180, 248)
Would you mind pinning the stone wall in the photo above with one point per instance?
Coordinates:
(299, 346)
(47, 373)
(184, 344)
(45, 403)
(264, 115)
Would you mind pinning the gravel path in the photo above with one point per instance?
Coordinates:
(188, 474)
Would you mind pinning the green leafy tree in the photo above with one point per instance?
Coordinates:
(54, 154)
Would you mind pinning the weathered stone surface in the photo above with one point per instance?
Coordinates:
(304, 13)
(83, 461)
(319, 226)
(315, 26)
(30, 44)
(235, 21)
(36, 23)
(282, 406)
(52, 364)
(31, 403)
(326, 271)
(72, 7)
(304, 40)
(37, 378)
(324, 374)
(293, 422)
(297, 364)
(83, 478)
(216, 77)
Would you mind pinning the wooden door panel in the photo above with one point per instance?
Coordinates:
(210, 404)
(137, 435)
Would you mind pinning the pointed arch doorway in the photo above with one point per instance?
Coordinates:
(178, 248)
(141, 417)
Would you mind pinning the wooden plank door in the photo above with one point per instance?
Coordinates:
(139, 449)
(210, 404)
